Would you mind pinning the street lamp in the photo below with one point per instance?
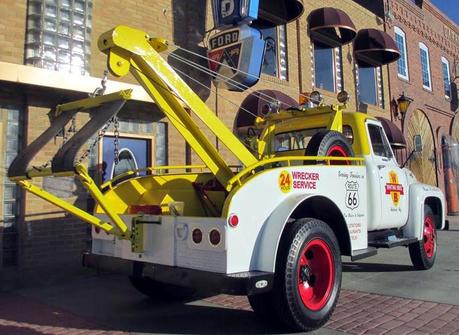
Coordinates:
(403, 102)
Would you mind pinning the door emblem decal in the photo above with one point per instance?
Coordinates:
(394, 189)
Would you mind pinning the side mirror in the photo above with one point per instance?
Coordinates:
(417, 141)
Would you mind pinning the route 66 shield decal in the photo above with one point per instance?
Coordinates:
(352, 195)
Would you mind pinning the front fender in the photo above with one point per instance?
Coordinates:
(420, 194)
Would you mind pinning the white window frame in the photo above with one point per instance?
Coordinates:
(423, 47)
(402, 34)
(445, 61)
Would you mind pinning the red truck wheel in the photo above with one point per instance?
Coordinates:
(308, 275)
(330, 143)
(423, 252)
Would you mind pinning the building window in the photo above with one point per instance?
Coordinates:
(275, 59)
(402, 62)
(10, 143)
(161, 158)
(327, 67)
(369, 86)
(134, 153)
(58, 35)
(425, 66)
(446, 77)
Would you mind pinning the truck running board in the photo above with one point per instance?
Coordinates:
(392, 242)
(363, 253)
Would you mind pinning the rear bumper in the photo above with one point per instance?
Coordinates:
(242, 283)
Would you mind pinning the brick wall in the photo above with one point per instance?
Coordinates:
(426, 25)
(12, 30)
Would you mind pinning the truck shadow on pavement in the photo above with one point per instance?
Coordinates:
(92, 312)
(376, 267)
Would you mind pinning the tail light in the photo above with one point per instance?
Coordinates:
(214, 237)
(233, 220)
(197, 235)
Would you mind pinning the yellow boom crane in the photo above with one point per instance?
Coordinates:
(133, 50)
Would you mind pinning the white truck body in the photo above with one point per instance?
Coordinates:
(376, 196)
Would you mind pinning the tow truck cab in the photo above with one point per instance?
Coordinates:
(388, 184)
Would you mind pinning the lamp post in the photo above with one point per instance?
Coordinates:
(403, 102)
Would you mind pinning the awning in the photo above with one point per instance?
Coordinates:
(331, 26)
(258, 104)
(273, 13)
(394, 134)
(373, 47)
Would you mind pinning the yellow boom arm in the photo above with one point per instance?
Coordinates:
(133, 50)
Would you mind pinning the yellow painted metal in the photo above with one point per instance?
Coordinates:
(131, 48)
(42, 172)
(336, 119)
(94, 190)
(238, 179)
(93, 102)
(151, 169)
(329, 117)
(89, 218)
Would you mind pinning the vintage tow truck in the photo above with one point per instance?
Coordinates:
(313, 184)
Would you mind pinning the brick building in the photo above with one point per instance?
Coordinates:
(426, 72)
(49, 55)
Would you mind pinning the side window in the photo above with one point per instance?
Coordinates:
(327, 67)
(294, 140)
(379, 143)
(275, 59)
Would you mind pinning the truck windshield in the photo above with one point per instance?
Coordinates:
(294, 140)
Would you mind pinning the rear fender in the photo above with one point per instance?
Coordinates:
(294, 207)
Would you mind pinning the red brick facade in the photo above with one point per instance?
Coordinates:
(429, 26)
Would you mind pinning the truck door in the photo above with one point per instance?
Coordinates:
(392, 180)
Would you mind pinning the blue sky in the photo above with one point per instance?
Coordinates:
(449, 7)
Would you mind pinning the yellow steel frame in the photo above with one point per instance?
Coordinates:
(133, 50)
(239, 178)
(93, 102)
(117, 225)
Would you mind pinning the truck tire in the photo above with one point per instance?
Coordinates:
(330, 143)
(308, 275)
(423, 252)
